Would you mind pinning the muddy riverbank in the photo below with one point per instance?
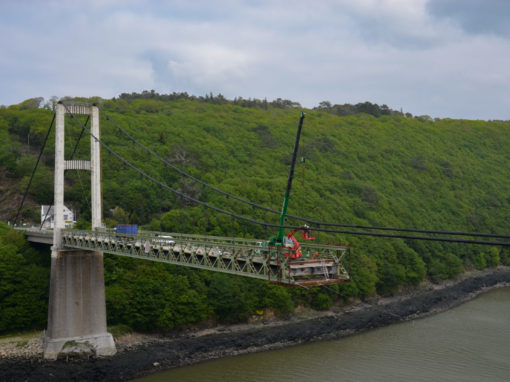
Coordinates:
(141, 355)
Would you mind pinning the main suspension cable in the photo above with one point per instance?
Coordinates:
(438, 232)
(184, 173)
(244, 218)
(176, 192)
(306, 220)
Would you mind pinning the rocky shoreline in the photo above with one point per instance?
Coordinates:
(142, 355)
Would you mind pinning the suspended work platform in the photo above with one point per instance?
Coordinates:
(317, 265)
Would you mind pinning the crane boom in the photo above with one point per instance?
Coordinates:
(278, 240)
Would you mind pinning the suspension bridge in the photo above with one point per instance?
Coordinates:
(77, 312)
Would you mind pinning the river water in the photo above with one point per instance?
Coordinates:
(468, 343)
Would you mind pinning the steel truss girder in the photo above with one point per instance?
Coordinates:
(320, 264)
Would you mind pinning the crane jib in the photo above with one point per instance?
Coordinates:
(279, 237)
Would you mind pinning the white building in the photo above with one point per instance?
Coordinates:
(48, 218)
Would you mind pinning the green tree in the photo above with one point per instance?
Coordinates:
(23, 285)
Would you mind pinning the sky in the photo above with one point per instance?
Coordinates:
(442, 58)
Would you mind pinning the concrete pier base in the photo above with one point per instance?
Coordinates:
(77, 309)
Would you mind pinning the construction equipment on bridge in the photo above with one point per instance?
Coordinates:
(291, 242)
(307, 267)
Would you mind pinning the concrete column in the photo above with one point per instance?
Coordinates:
(95, 167)
(77, 310)
(58, 204)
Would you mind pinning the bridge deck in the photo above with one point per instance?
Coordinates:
(38, 236)
(319, 265)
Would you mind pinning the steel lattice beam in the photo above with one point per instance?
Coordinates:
(320, 264)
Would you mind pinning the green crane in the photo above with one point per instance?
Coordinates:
(279, 239)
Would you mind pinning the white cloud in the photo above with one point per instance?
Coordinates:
(396, 52)
(210, 63)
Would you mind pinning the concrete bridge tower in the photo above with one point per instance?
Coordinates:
(77, 309)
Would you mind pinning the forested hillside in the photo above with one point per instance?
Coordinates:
(365, 164)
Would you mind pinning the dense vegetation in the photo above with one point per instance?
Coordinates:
(365, 164)
(24, 282)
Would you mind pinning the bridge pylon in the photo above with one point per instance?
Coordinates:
(77, 308)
